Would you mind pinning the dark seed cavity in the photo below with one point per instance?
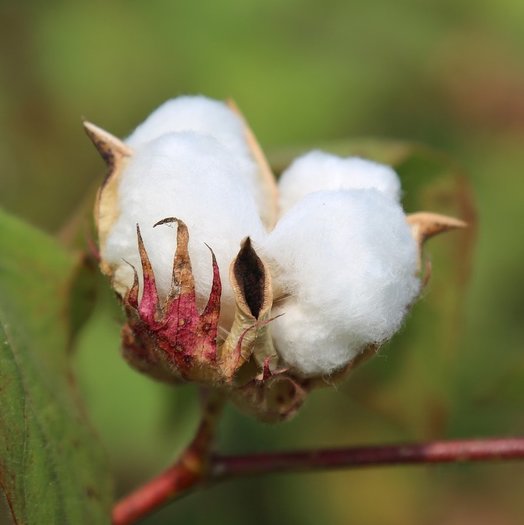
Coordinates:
(250, 275)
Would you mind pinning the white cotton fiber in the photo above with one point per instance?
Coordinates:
(319, 171)
(197, 179)
(349, 263)
(193, 113)
(204, 116)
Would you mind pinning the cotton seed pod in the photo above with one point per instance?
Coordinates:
(261, 306)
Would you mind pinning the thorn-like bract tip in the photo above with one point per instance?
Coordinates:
(110, 147)
(425, 225)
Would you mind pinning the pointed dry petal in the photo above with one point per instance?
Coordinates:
(425, 225)
(267, 180)
(249, 334)
(183, 281)
(211, 312)
(115, 153)
(149, 302)
(187, 338)
(111, 148)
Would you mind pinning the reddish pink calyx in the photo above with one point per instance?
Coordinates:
(175, 334)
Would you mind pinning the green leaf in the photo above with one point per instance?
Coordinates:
(52, 469)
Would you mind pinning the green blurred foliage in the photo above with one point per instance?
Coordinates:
(449, 74)
(53, 468)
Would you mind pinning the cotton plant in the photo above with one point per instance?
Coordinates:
(261, 290)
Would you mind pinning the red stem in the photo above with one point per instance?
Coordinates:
(403, 454)
(190, 470)
(155, 494)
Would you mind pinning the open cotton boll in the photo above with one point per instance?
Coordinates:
(196, 179)
(348, 262)
(319, 171)
(208, 117)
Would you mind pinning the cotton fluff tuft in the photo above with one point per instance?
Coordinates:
(205, 116)
(319, 171)
(193, 113)
(195, 178)
(349, 263)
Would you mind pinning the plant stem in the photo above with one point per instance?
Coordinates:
(354, 457)
(190, 469)
(182, 476)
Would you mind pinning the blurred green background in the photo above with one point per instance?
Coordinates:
(448, 74)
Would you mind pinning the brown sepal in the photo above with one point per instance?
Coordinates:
(111, 148)
(115, 154)
(425, 225)
(249, 335)
(273, 398)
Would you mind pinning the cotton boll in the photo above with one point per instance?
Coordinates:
(347, 262)
(319, 171)
(205, 116)
(196, 179)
